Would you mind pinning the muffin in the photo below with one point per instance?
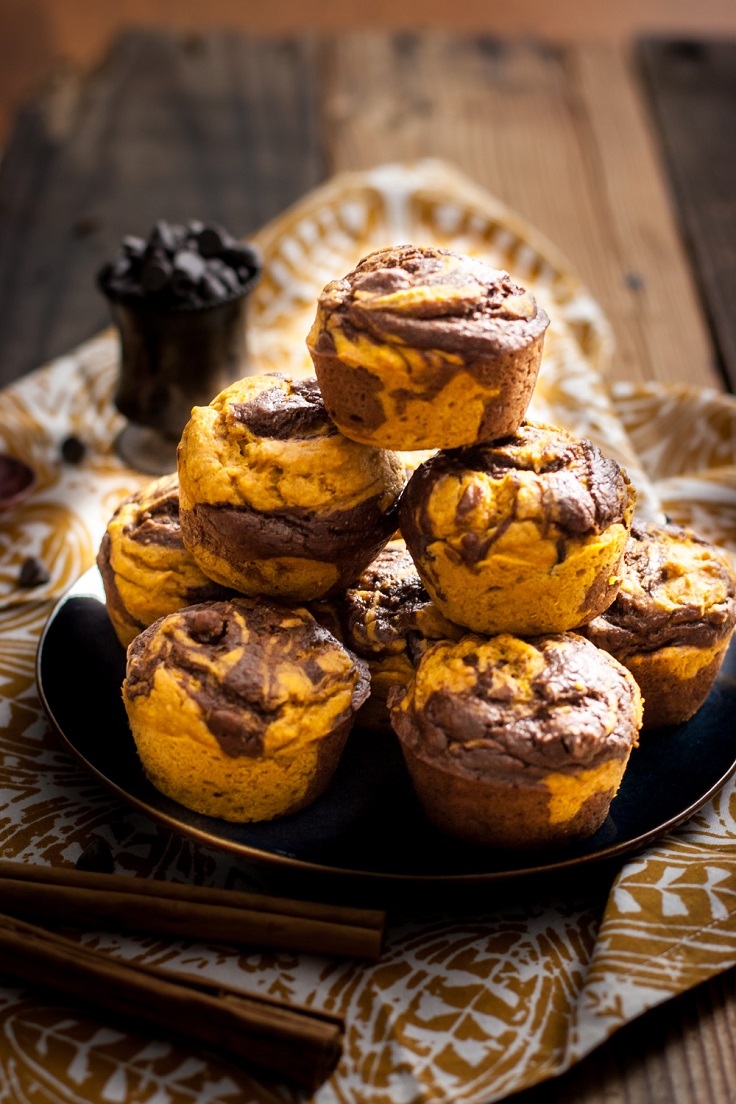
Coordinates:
(388, 618)
(517, 743)
(274, 500)
(146, 570)
(423, 348)
(524, 535)
(241, 709)
(672, 620)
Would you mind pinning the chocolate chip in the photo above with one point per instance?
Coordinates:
(121, 268)
(96, 857)
(190, 264)
(236, 731)
(206, 626)
(73, 450)
(133, 246)
(188, 270)
(180, 267)
(242, 256)
(212, 288)
(164, 236)
(33, 573)
(227, 275)
(212, 240)
(155, 274)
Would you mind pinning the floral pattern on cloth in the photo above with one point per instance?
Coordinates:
(464, 1007)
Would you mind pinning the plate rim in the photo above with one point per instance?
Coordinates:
(305, 866)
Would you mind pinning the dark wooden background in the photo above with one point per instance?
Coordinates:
(624, 158)
(691, 87)
(222, 129)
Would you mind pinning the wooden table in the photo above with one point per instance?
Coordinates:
(618, 155)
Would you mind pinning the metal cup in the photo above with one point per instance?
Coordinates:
(168, 364)
(171, 359)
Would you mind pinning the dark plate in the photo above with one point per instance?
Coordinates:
(368, 823)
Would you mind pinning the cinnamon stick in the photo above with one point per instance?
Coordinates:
(299, 1043)
(189, 912)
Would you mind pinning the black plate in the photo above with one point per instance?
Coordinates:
(368, 823)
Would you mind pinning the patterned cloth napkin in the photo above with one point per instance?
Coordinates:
(468, 1006)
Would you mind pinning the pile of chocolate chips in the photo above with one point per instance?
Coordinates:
(180, 267)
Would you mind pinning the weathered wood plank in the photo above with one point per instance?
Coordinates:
(654, 292)
(692, 88)
(216, 127)
(229, 128)
(557, 134)
(682, 1052)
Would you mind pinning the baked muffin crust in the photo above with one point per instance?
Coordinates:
(672, 619)
(517, 742)
(676, 590)
(520, 707)
(422, 348)
(240, 709)
(388, 610)
(522, 535)
(274, 500)
(146, 570)
(388, 618)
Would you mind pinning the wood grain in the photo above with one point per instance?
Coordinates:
(38, 35)
(222, 129)
(234, 129)
(559, 135)
(683, 1052)
(692, 89)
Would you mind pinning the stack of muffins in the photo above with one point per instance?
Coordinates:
(495, 596)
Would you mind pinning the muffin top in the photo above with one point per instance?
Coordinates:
(505, 706)
(488, 495)
(262, 675)
(428, 298)
(676, 589)
(151, 515)
(266, 442)
(387, 611)
(145, 567)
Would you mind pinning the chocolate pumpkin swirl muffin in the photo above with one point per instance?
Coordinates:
(388, 618)
(146, 570)
(524, 535)
(517, 743)
(422, 348)
(241, 709)
(274, 500)
(672, 620)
